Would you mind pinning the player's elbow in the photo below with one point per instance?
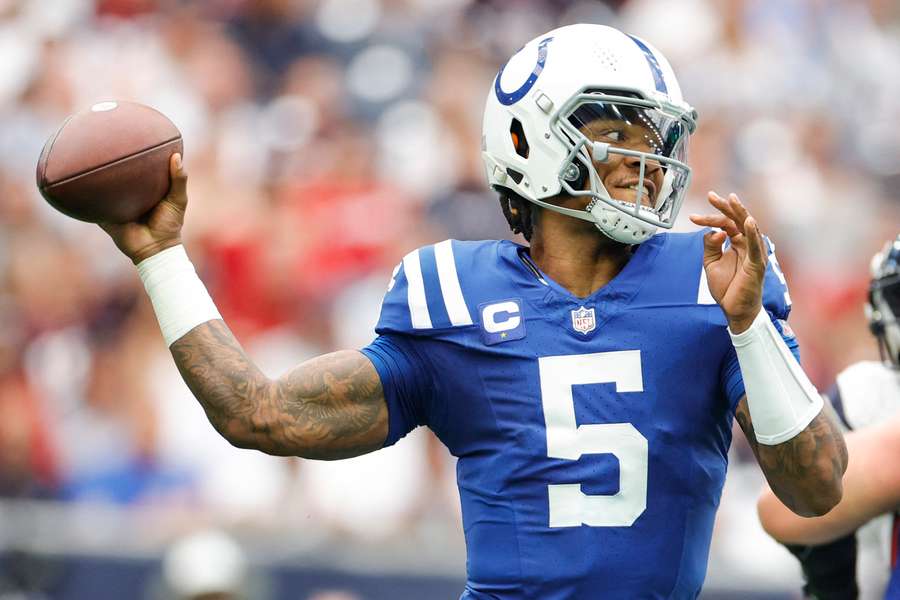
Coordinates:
(822, 505)
(256, 438)
(268, 434)
(830, 489)
(238, 435)
(818, 500)
(811, 506)
(820, 487)
(813, 494)
(250, 432)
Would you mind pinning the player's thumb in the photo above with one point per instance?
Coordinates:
(178, 188)
(712, 246)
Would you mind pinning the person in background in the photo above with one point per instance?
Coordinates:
(206, 565)
(851, 551)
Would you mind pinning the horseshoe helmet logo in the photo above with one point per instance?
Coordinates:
(507, 98)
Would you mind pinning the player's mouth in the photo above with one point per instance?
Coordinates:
(631, 192)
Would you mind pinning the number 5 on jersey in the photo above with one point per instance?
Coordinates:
(569, 506)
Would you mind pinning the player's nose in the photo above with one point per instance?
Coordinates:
(651, 166)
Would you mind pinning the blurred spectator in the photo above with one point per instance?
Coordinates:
(334, 595)
(27, 465)
(207, 565)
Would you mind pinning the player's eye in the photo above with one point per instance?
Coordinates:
(616, 135)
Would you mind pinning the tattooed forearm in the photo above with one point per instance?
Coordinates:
(329, 407)
(805, 472)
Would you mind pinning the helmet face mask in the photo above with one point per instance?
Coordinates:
(603, 126)
(883, 308)
(586, 99)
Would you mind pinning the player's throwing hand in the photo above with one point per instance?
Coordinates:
(161, 227)
(735, 275)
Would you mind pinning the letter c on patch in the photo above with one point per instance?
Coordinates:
(490, 313)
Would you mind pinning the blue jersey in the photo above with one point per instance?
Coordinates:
(592, 433)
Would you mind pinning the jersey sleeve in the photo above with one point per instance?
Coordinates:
(422, 309)
(408, 389)
(777, 304)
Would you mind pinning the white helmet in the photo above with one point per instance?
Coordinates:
(883, 307)
(551, 91)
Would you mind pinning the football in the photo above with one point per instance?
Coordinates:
(109, 163)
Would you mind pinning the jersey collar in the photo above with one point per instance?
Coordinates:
(543, 290)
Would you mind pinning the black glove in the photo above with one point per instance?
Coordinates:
(829, 569)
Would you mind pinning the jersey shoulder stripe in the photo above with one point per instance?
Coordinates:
(425, 292)
(416, 300)
(704, 296)
(450, 288)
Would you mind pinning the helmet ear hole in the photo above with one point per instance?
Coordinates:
(520, 142)
(577, 175)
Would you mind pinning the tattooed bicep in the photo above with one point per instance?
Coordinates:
(336, 400)
(329, 407)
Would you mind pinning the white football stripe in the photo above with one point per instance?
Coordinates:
(704, 296)
(415, 291)
(453, 296)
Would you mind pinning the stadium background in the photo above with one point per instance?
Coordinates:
(325, 139)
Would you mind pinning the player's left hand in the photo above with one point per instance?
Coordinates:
(735, 276)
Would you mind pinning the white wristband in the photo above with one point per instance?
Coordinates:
(781, 398)
(179, 298)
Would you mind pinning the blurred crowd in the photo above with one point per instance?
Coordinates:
(324, 139)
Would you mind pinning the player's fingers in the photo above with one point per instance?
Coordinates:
(719, 203)
(720, 221)
(712, 246)
(724, 222)
(738, 210)
(178, 188)
(756, 253)
(723, 206)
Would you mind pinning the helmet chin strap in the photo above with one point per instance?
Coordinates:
(619, 225)
(615, 224)
(571, 212)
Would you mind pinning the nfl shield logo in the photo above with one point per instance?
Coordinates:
(583, 320)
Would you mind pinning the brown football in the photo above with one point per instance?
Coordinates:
(109, 163)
